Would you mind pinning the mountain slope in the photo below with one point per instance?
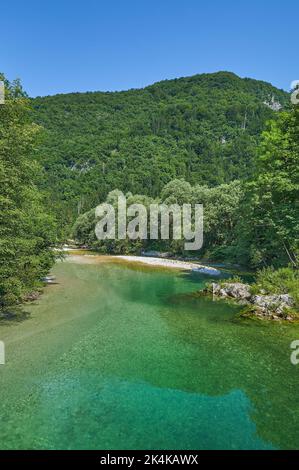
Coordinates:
(203, 128)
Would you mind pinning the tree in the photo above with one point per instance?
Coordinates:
(26, 231)
(270, 230)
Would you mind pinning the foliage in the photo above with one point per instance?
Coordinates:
(254, 223)
(193, 140)
(269, 231)
(280, 281)
(204, 129)
(221, 206)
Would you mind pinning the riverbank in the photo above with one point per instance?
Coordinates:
(154, 261)
(261, 305)
(170, 263)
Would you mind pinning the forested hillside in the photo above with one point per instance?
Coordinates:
(253, 222)
(204, 129)
(214, 139)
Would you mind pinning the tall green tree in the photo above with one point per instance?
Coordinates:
(271, 213)
(27, 232)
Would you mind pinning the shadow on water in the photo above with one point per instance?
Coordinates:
(17, 315)
(241, 354)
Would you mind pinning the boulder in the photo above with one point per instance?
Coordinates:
(215, 289)
(273, 305)
(237, 290)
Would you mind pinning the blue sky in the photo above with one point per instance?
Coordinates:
(64, 46)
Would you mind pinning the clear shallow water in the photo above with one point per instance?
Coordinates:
(121, 357)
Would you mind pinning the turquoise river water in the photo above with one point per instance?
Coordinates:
(118, 356)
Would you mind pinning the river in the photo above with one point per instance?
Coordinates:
(118, 356)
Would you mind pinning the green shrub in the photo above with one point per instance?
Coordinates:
(280, 281)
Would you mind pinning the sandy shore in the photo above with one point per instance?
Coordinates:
(171, 263)
(79, 256)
